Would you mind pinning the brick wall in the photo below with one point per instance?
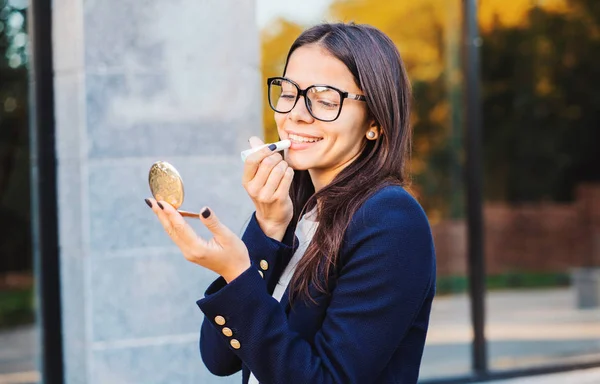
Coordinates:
(536, 237)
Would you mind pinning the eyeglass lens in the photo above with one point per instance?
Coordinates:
(323, 102)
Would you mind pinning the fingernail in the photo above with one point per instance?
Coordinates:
(160, 205)
(148, 202)
(206, 213)
(272, 147)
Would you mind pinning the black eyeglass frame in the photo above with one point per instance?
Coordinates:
(303, 92)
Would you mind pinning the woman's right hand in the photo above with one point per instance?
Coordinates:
(267, 179)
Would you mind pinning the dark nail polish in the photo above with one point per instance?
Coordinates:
(160, 205)
(272, 147)
(148, 202)
(206, 213)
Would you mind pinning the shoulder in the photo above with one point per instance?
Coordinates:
(391, 206)
(391, 233)
(392, 195)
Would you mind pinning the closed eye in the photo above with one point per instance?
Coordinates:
(328, 104)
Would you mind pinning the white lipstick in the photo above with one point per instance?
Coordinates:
(280, 146)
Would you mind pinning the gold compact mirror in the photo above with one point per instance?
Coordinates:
(166, 185)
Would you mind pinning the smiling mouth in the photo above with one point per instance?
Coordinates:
(301, 139)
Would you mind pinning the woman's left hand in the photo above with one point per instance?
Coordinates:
(225, 254)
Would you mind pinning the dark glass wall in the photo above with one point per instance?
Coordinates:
(14, 142)
(541, 105)
(18, 340)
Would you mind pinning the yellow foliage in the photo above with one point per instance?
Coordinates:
(440, 113)
(417, 166)
(428, 35)
(510, 13)
(420, 29)
(276, 41)
(543, 87)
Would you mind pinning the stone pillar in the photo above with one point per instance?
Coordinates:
(137, 82)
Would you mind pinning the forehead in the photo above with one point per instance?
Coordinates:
(312, 64)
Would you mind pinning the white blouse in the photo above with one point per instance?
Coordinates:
(304, 231)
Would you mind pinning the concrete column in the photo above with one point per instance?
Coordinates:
(136, 82)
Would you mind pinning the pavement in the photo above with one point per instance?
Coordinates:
(524, 328)
(587, 376)
(18, 355)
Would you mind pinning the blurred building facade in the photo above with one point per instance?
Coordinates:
(540, 237)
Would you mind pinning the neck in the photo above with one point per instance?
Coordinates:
(320, 178)
(323, 177)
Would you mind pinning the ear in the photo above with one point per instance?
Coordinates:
(374, 130)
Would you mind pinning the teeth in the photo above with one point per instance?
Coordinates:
(302, 139)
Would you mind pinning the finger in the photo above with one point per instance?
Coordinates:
(180, 231)
(283, 190)
(254, 161)
(275, 177)
(255, 142)
(219, 230)
(160, 214)
(264, 171)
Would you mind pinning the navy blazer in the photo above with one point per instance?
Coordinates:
(370, 328)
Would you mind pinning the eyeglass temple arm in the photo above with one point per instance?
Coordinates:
(356, 97)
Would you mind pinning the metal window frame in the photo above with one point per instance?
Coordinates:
(44, 205)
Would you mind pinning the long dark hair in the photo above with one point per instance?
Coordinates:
(379, 72)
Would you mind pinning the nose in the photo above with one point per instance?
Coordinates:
(300, 112)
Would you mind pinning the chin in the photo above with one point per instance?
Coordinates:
(298, 164)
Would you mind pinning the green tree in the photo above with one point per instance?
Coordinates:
(15, 244)
(541, 104)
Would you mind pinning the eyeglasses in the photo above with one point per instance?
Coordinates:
(323, 102)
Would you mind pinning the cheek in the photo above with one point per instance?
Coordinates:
(279, 119)
(350, 130)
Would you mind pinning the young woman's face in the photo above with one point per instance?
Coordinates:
(323, 148)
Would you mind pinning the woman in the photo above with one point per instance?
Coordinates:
(334, 277)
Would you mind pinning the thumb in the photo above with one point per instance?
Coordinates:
(211, 221)
(255, 142)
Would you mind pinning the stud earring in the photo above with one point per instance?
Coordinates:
(371, 135)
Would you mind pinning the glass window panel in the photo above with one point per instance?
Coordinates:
(542, 185)
(18, 332)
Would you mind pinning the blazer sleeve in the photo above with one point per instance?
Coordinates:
(269, 255)
(216, 355)
(388, 268)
